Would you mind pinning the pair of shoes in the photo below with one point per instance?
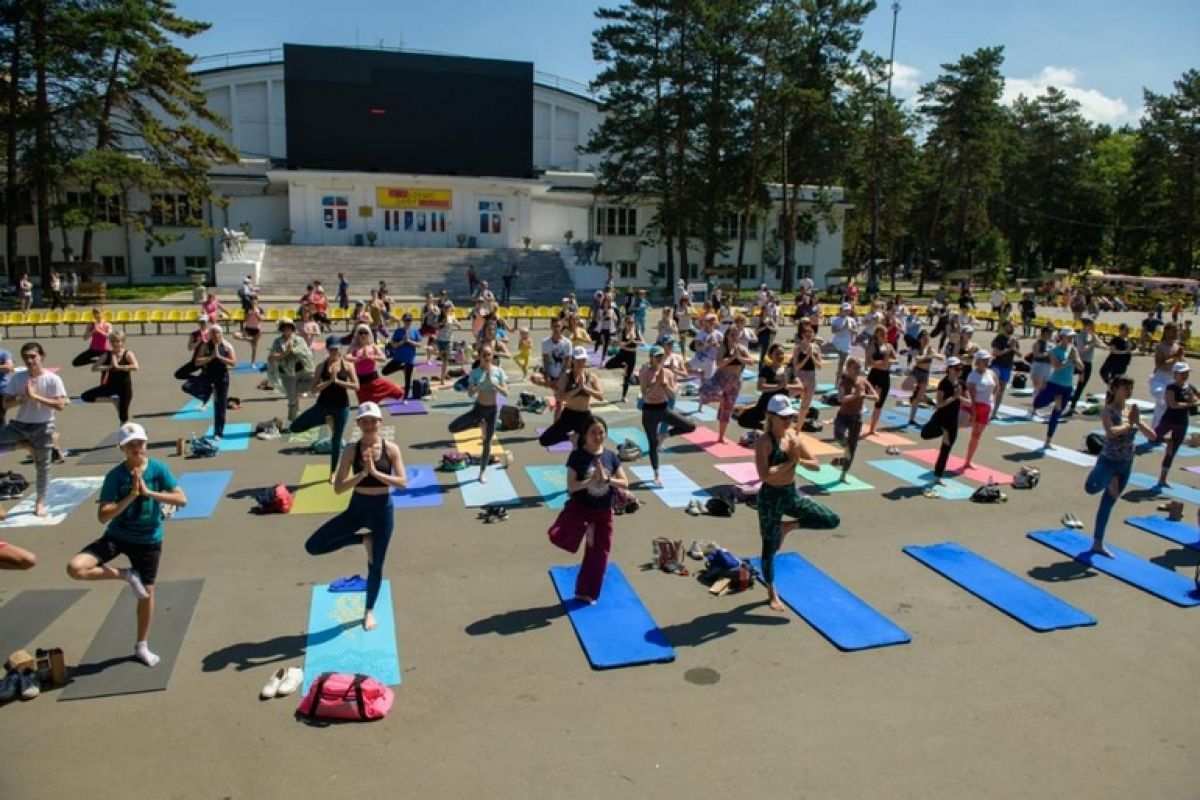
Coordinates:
(269, 432)
(892, 450)
(491, 514)
(1071, 521)
(282, 683)
(29, 685)
(696, 550)
(694, 508)
(10, 687)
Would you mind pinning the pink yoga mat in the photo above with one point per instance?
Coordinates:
(706, 439)
(743, 472)
(954, 467)
(885, 439)
(429, 369)
(561, 447)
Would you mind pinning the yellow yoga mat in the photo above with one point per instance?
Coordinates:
(471, 442)
(315, 494)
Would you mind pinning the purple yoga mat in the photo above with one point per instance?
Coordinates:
(1195, 470)
(561, 447)
(431, 369)
(399, 409)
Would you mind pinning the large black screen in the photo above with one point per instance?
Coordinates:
(375, 111)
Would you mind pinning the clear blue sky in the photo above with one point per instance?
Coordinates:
(1102, 51)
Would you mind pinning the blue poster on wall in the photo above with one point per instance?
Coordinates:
(408, 220)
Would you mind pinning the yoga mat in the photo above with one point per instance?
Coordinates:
(954, 466)
(191, 412)
(106, 452)
(899, 419)
(832, 609)
(885, 439)
(314, 494)
(498, 491)
(561, 447)
(1178, 532)
(63, 496)
(817, 448)
(1143, 445)
(551, 483)
(619, 435)
(617, 631)
(245, 368)
(1032, 445)
(1185, 493)
(25, 616)
(400, 408)
(423, 490)
(204, 491)
(1000, 588)
(471, 442)
(596, 407)
(309, 436)
(1193, 470)
(108, 667)
(916, 475)
(1160, 582)
(743, 472)
(829, 479)
(677, 489)
(1026, 392)
(428, 369)
(706, 414)
(237, 436)
(337, 642)
(706, 440)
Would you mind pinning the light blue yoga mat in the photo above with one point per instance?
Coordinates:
(204, 491)
(498, 491)
(686, 407)
(1144, 445)
(619, 435)
(836, 612)
(423, 490)
(237, 436)
(551, 482)
(998, 587)
(677, 489)
(918, 475)
(617, 631)
(1160, 582)
(337, 642)
(897, 418)
(828, 479)
(191, 412)
(1185, 493)
(1058, 452)
(1178, 532)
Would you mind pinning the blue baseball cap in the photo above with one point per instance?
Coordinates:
(333, 343)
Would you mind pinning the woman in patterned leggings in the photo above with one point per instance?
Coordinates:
(776, 455)
(726, 382)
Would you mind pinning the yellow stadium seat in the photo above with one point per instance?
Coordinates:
(106, 315)
(72, 318)
(141, 317)
(123, 318)
(543, 312)
(174, 316)
(54, 318)
(33, 319)
(14, 318)
(273, 315)
(158, 317)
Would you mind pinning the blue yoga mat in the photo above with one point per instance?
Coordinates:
(237, 436)
(203, 490)
(1178, 532)
(1144, 445)
(617, 631)
(423, 490)
(337, 642)
(498, 491)
(898, 418)
(551, 482)
(836, 613)
(919, 475)
(687, 408)
(998, 587)
(1185, 493)
(191, 412)
(246, 368)
(1160, 582)
(677, 489)
(619, 435)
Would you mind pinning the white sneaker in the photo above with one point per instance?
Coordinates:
(135, 584)
(29, 686)
(271, 689)
(693, 508)
(292, 680)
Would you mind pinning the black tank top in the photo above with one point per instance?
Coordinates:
(804, 363)
(383, 464)
(117, 378)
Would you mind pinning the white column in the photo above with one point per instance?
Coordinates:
(233, 115)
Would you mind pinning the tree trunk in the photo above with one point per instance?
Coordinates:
(103, 137)
(12, 180)
(41, 144)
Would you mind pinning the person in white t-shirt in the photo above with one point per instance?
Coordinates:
(996, 298)
(556, 354)
(36, 394)
(844, 327)
(983, 386)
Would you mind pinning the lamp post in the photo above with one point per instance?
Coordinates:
(873, 267)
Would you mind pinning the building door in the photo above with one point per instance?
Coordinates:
(335, 219)
(414, 228)
(489, 223)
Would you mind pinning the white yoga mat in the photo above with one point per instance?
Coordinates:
(63, 496)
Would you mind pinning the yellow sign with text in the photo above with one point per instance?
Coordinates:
(413, 197)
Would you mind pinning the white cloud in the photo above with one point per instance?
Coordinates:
(906, 80)
(1093, 104)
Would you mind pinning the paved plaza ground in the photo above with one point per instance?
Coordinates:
(498, 699)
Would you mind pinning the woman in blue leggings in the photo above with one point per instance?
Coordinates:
(335, 379)
(372, 468)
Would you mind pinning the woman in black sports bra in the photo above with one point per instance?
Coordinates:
(806, 360)
(626, 357)
(371, 468)
(880, 356)
(116, 366)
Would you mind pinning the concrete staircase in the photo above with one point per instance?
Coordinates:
(411, 272)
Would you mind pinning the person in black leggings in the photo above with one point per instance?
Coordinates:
(944, 421)
(116, 368)
(216, 358)
(658, 384)
(577, 388)
(486, 381)
(626, 358)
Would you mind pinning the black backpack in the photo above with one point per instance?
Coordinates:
(510, 419)
(12, 485)
(1019, 380)
(1094, 443)
(720, 507)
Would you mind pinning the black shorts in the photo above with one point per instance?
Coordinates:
(881, 379)
(142, 557)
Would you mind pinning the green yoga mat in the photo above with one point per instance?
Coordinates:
(315, 494)
(828, 479)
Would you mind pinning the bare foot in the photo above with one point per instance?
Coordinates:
(332, 479)
(656, 479)
(40, 510)
(369, 622)
(1101, 550)
(967, 465)
(773, 600)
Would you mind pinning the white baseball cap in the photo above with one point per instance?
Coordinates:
(780, 406)
(369, 409)
(1180, 367)
(953, 361)
(130, 432)
(983, 355)
(1066, 331)
(579, 353)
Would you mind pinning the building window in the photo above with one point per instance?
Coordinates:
(195, 262)
(106, 208)
(616, 221)
(173, 210)
(335, 212)
(113, 265)
(31, 265)
(627, 269)
(491, 217)
(750, 271)
(731, 227)
(164, 265)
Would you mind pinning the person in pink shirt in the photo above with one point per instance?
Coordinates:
(212, 308)
(96, 333)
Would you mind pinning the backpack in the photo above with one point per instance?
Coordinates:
(1027, 478)
(812, 426)
(668, 555)
(276, 500)
(720, 507)
(1020, 380)
(989, 493)
(721, 560)
(349, 698)
(420, 389)
(743, 578)
(629, 450)
(624, 502)
(204, 446)
(1094, 443)
(526, 399)
(510, 419)
(453, 461)
(12, 485)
